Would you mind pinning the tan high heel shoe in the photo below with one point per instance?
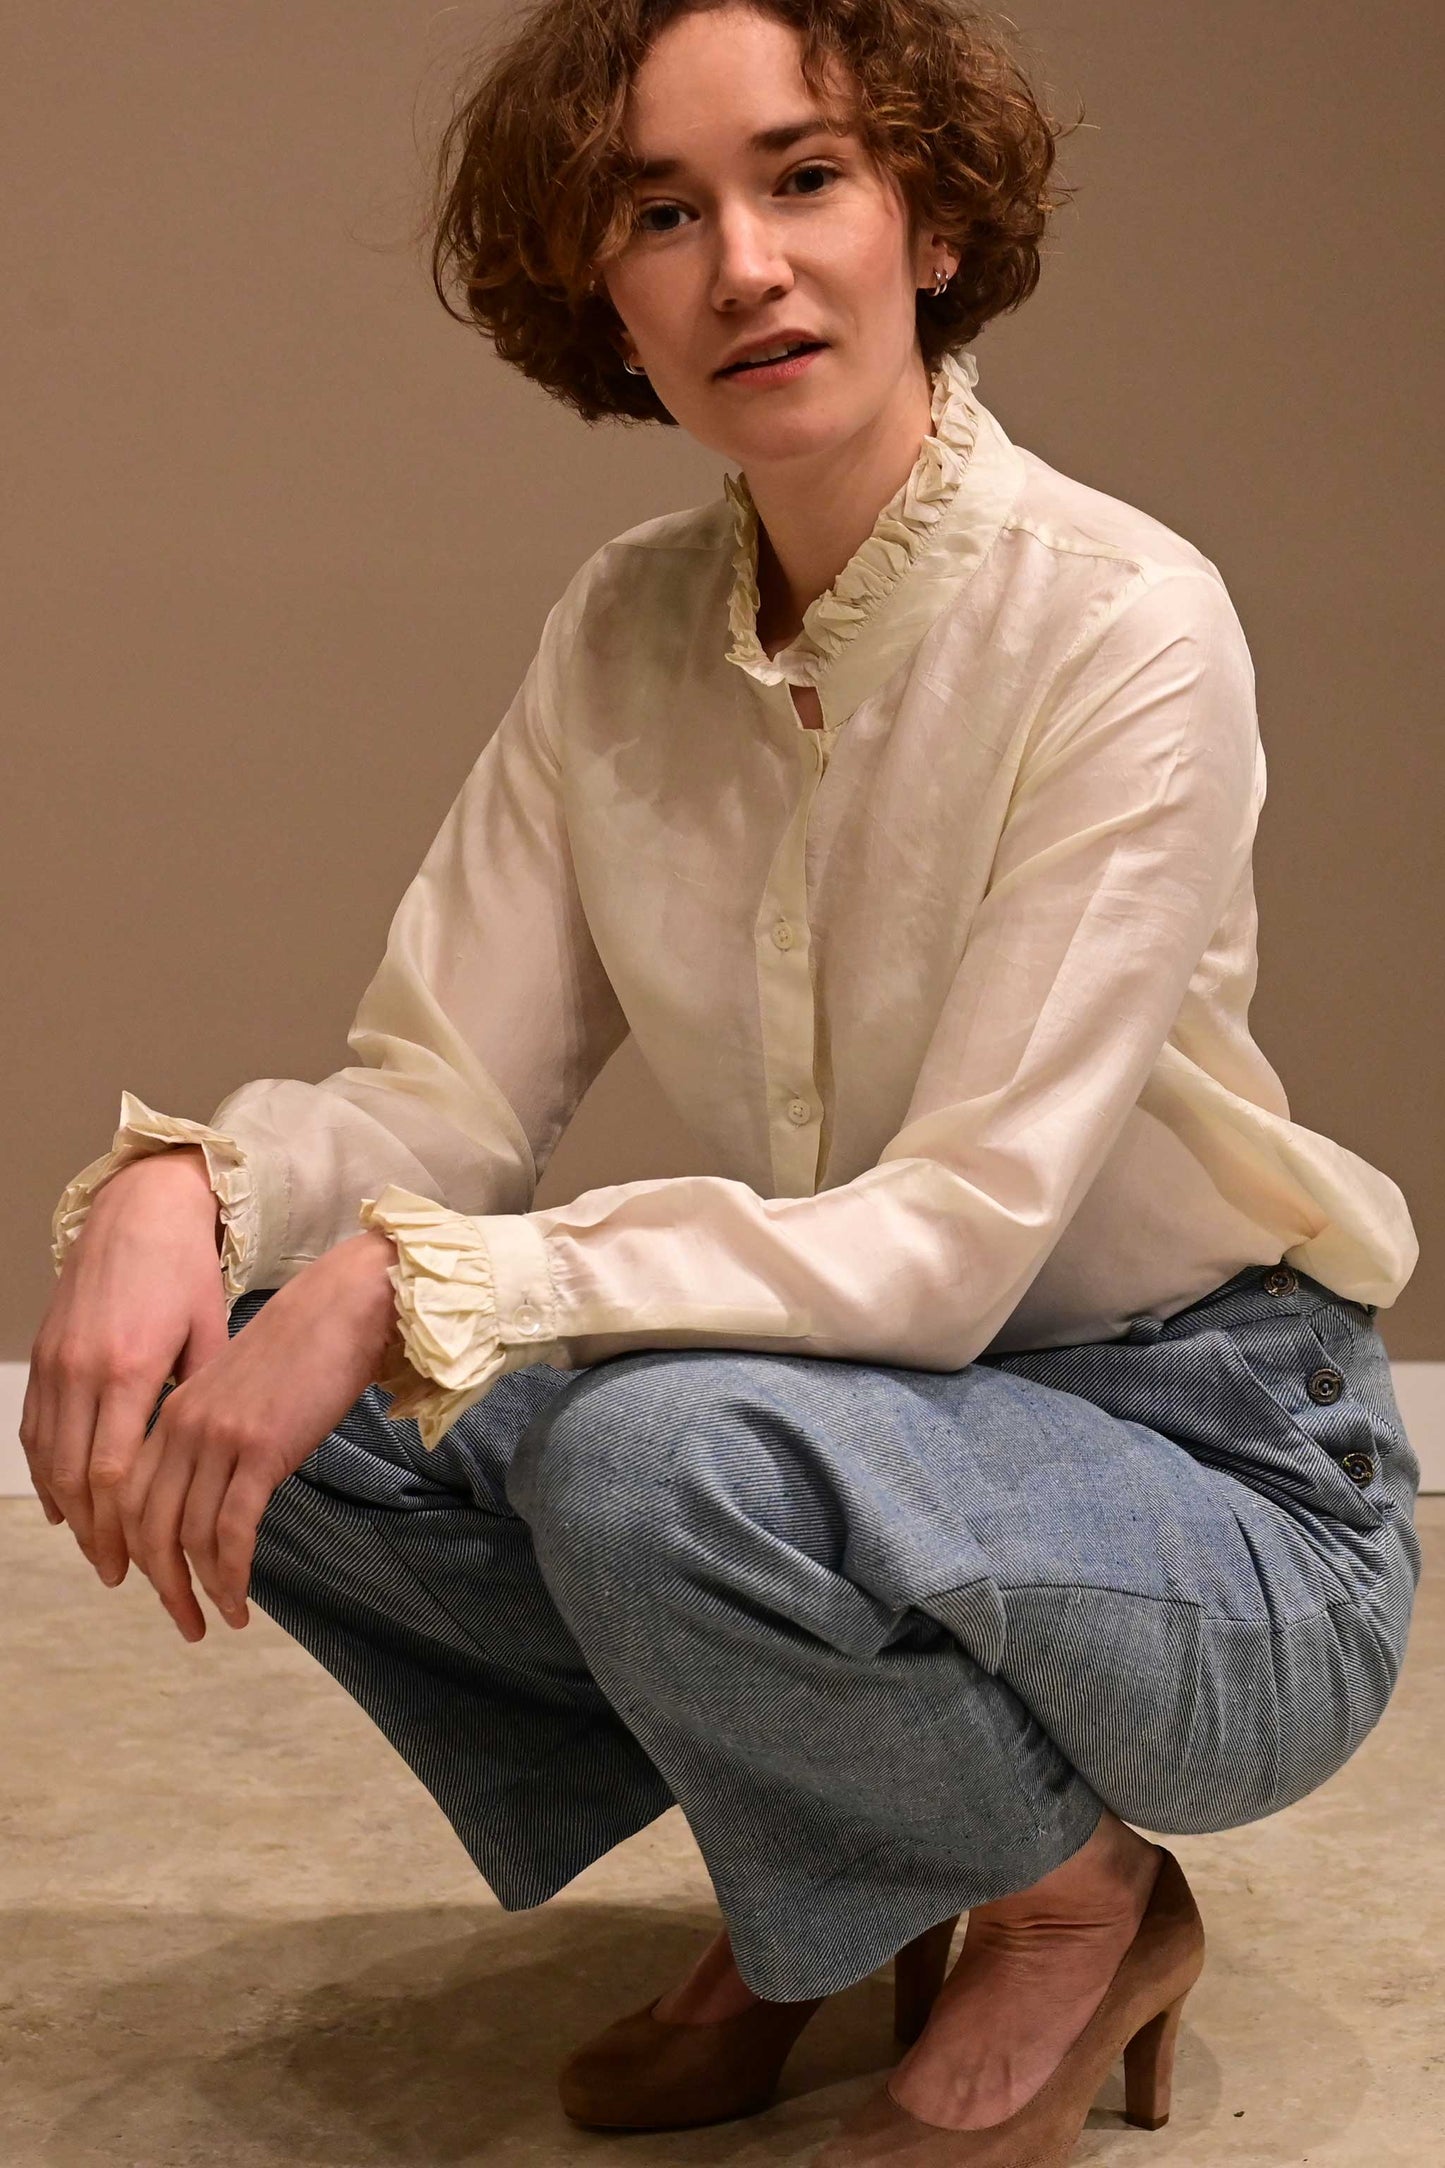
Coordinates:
(1138, 2018)
(647, 2073)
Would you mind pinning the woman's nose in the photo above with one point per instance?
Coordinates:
(750, 263)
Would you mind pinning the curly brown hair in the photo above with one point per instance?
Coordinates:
(534, 176)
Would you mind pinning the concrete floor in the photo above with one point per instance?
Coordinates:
(237, 1931)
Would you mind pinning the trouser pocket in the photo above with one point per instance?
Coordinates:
(1324, 1441)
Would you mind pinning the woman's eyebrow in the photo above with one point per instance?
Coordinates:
(767, 139)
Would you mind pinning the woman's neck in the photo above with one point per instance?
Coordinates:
(813, 517)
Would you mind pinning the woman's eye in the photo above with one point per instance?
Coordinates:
(829, 173)
(648, 210)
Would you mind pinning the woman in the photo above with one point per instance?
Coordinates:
(1001, 1452)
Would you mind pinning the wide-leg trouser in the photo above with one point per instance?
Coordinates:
(890, 1637)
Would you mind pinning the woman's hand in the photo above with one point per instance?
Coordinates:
(227, 1438)
(139, 1299)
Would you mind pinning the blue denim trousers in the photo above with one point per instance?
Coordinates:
(891, 1638)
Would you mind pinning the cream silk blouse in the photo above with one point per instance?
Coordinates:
(954, 989)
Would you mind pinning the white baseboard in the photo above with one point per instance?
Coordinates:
(1420, 1397)
(14, 1475)
(1419, 1391)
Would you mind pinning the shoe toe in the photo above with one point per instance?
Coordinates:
(641, 2074)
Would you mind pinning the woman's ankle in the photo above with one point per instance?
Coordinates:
(712, 1991)
(1108, 1878)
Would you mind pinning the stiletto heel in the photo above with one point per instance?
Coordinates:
(1149, 2069)
(918, 1974)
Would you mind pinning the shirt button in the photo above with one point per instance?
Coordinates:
(1325, 1384)
(1279, 1281)
(525, 1318)
(783, 934)
(1359, 1468)
(797, 1110)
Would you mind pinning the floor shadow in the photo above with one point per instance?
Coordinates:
(429, 2037)
(425, 2036)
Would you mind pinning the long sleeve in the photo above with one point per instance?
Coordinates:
(1131, 821)
(489, 1015)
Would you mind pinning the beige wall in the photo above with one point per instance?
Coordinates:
(279, 537)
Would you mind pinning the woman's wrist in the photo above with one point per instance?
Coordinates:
(366, 1259)
(180, 1169)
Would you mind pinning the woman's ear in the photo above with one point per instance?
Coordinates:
(935, 255)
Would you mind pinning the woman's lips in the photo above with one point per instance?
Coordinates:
(773, 372)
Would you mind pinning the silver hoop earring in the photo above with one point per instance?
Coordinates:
(941, 279)
(634, 368)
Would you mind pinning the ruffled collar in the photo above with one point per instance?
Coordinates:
(903, 530)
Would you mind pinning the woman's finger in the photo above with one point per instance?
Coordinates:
(210, 1485)
(108, 1553)
(251, 1491)
(52, 1511)
(68, 1476)
(35, 1432)
(185, 1612)
(131, 1494)
(160, 1555)
(120, 1421)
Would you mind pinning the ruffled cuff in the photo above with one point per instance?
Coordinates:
(143, 1131)
(474, 1299)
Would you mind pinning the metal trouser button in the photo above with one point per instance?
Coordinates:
(1359, 1468)
(1279, 1280)
(1325, 1384)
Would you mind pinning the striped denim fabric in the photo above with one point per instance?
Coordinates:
(889, 1637)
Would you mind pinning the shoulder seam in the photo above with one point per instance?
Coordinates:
(1140, 560)
(636, 542)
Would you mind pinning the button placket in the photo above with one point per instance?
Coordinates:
(785, 988)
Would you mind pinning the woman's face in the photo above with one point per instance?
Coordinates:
(738, 240)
